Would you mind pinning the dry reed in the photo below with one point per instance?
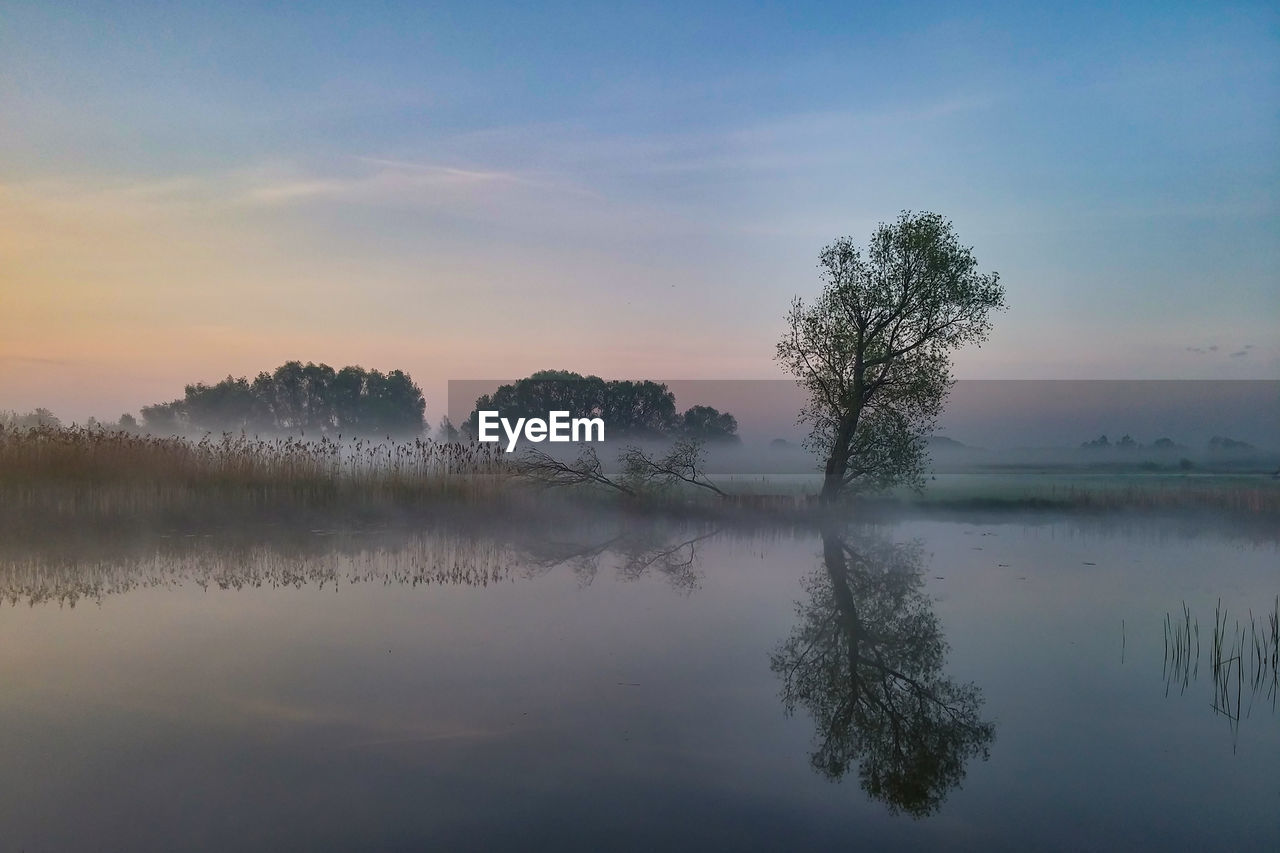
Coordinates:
(76, 468)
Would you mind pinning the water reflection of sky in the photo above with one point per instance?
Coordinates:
(593, 705)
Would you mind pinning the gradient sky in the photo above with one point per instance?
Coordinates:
(469, 190)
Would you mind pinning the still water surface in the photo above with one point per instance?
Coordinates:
(980, 684)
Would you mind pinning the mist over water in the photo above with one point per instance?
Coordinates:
(1004, 415)
(993, 683)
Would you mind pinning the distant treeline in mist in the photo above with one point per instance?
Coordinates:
(297, 397)
(1217, 444)
(630, 409)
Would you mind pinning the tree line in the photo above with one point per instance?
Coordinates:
(1217, 444)
(630, 409)
(319, 399)
(297, 397)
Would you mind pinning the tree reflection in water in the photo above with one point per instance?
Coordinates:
(866, 662)
(865, 659)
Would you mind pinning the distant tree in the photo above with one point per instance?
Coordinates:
(395, 403)
(370, 402)
(446, 433)
(873, 351)
(40, 417)
(298, 397)
(707, 424)
(164, 418)
(1126, 442)
(630, 409)
(28, 420)
(127, 423)
(1165, 444)
(639, 409)
(230, 405)
(1218, 444)
(1097, 444)
(542, 392)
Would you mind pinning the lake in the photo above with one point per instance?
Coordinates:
(970, 682)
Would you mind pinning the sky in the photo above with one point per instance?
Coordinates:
(470, 190)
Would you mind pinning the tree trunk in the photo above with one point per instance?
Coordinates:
(832, 485)
(837, 565)
(837, 463)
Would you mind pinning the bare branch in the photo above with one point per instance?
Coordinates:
(683, 464)
(546, 470)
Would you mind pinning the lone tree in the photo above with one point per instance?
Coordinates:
(873, 351)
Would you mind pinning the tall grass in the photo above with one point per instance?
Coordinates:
(95, 473)
(75, 468)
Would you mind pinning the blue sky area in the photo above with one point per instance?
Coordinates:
(479, 190)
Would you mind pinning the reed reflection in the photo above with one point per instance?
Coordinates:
(866, 662)
(1244, 660)
(92, 569)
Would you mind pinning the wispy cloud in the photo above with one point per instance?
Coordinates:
(376, 179)
(357, 179)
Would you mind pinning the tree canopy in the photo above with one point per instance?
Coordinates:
(873, 350)
(630, 409)
(297, 397)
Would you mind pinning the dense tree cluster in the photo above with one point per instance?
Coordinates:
(638, 410)
(297, 397)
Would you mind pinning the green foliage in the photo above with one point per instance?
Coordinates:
(297, 397)
(705, 423)
(873, 350)
(630, 409)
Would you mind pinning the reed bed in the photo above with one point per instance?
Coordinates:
(51, 472)
(1240, 654)
(73, 469)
